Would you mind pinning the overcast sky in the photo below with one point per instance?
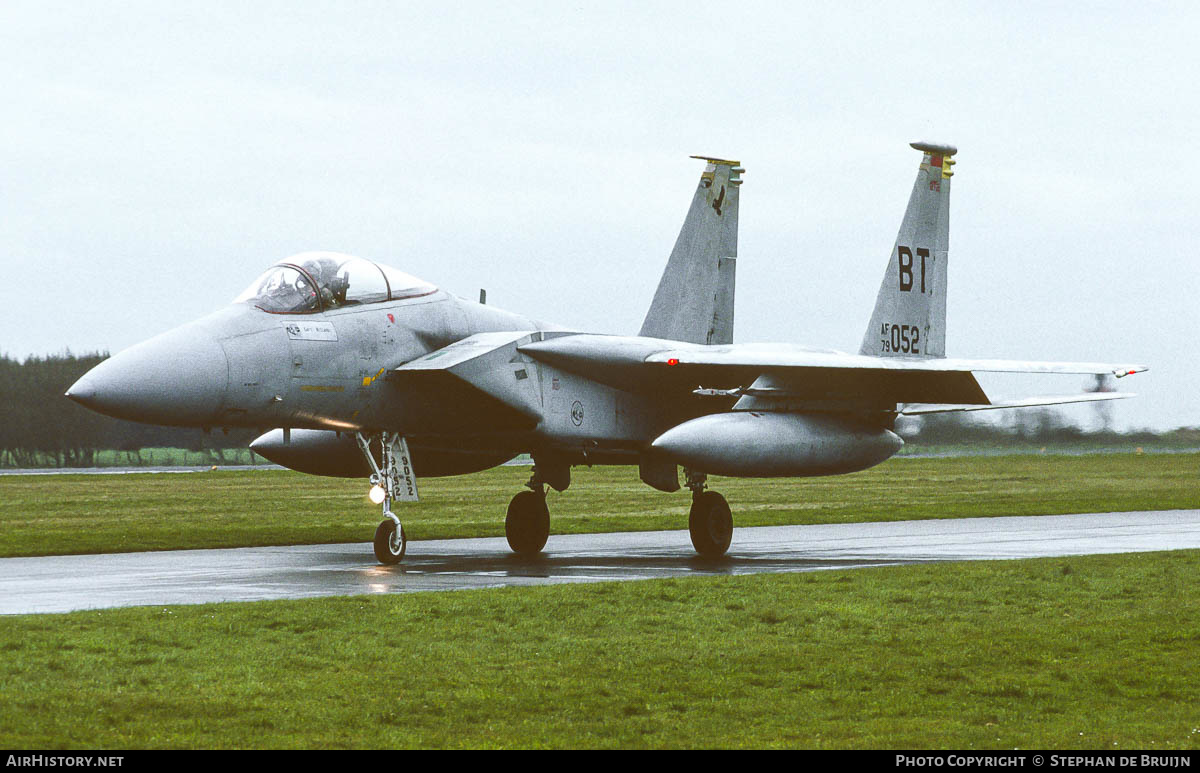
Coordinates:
(157, 156)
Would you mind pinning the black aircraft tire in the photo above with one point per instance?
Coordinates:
(527, 525)
(386, 549)
(711, 524)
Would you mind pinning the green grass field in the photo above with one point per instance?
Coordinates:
(1098, 652)
(45, 515)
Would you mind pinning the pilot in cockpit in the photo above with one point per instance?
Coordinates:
(324, 272)
(311, 282)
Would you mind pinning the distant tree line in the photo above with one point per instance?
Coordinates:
(1030, 426)
(40, 427)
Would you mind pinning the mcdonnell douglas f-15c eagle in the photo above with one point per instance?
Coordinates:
(367, 371)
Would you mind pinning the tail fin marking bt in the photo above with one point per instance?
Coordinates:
(910, 311)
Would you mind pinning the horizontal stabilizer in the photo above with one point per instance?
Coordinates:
(917, 409)
(790, 356)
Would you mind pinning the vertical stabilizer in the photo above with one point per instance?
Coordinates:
(910, 311)
(694, 301)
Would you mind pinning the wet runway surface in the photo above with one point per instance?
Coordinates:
(66, 583)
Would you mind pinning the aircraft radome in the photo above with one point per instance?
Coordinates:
(364, 370)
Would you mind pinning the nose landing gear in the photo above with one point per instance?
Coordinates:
(394, 480)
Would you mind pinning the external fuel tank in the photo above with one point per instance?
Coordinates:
(754, 444)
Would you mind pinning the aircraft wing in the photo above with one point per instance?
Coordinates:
(789, 371)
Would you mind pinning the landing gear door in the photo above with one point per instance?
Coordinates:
(404, 485)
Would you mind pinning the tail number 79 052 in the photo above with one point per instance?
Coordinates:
(902, 339)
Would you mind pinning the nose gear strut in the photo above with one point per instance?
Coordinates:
(396, 481)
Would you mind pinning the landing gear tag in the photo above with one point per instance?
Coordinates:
(405, 488)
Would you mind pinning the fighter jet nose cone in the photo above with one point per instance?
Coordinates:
(178, 378)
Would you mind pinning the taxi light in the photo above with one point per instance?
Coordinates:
(377, 494)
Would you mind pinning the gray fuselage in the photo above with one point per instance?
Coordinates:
(336, 370)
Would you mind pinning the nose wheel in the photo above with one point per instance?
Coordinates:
(390, 542)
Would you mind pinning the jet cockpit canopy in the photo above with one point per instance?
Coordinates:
(320, 281)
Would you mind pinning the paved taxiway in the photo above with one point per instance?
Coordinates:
(61, 584)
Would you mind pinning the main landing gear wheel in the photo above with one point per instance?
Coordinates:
(527, 525)
(710, 523)
(390, 543)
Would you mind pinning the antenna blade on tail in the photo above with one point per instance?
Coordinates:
(694, 300)
(910, 310)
